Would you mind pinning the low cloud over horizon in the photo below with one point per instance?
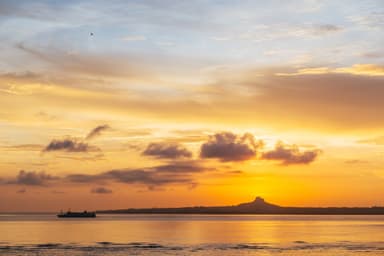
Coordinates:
(33, 178)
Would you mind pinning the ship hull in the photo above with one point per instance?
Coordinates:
(77, 215)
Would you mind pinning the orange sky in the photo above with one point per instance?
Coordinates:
(180, 105)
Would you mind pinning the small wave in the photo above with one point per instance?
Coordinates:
(249, 247)
(142, 248)
(48, 245)
(299, 242)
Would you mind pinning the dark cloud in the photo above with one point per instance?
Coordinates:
(101, 190)
(68, 145)
(33, 178)
(97, 131)
(290, 154)
(176, 173)
(227, 146)
(167, 150)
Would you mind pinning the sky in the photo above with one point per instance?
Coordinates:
(120, 104)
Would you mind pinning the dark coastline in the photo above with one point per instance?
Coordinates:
(258, 206)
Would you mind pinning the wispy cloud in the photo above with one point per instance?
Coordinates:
(97, 131)
(358, 69)
(175, 173)
(133, 38)
(375, 141)
(324, 29)
(167, 150)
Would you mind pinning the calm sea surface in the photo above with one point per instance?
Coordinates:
(191, 235)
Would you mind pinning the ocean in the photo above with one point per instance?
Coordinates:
(146, 234)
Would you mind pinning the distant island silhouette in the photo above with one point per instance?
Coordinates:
(258, 206)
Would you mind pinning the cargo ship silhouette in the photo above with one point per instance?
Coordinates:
(70, 214)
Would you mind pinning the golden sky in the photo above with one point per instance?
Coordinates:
(119, 104)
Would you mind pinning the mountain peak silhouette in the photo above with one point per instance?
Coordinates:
(258, 203)
(259, 199)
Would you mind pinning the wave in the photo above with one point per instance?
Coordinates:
(142, 248)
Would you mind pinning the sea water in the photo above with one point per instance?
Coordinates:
(153, 234)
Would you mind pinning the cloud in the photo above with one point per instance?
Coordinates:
(84, 69)
(353, 101)
(373, 20)
(356, 161)
(68, 145)
(97, 131)
(375, 141)
(290, 154)
(227, 146)
(21, 191)
(373, 54)
(362, 69)
(134, 38)
(57, 192)
(235, 172)
(33, 178)
(324, 29)
(23, 147)
(167, 150)
(357, 69)
(75, 144)
(178, 173)
(94, 157)
(101, 190)
(175, 173)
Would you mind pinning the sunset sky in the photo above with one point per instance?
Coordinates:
(160, 103)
